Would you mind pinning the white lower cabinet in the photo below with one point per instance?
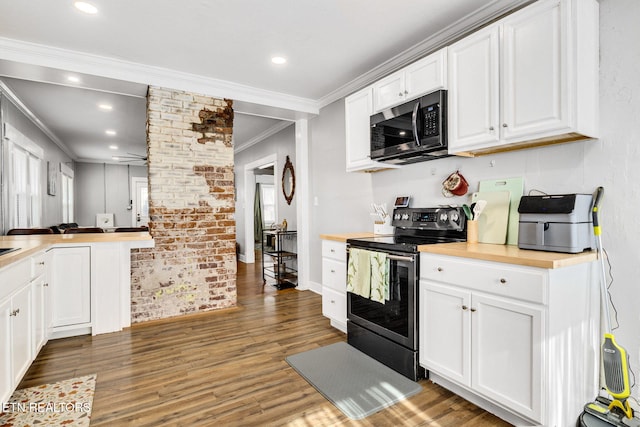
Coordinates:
(15, 327)
(71, 284)
(510, 335)
(334, 283)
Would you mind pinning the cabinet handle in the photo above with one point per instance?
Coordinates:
(41, 263)
(45, 284)
(464, 307)
(473, 310)
(490, 127)
(333, 251)
(439, 268)
(333, 301)
(504, 125)
(406, 93)
(15, 312)
(503, 280)
(333, 271)
(400, 94)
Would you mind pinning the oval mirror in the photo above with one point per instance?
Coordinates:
(288, 181)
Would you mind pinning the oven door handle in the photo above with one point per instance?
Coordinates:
(400, 258)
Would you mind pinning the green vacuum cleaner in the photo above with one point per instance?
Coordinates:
(615, 411)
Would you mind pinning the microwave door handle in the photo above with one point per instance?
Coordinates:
(414, 123)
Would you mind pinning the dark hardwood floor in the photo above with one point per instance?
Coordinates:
(228, 368)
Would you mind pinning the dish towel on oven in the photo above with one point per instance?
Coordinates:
(368, 274)
(379, 277)
(359, 272)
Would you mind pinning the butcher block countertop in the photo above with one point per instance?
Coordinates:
(509, 254)
(30, 244)
(342, 237)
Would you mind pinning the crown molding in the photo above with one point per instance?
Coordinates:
(488, 13)
(11, 97)
(87, 63)
(262, 136)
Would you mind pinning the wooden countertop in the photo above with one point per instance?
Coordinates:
(30, 244)
(342, 237)
(510, 254)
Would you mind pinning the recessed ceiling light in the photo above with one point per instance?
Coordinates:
(113, 147)
(105, 107)
(110, 132)
(73, 79)
(279, 60)
(86, 7)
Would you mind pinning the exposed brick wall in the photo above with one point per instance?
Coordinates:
(191, 207)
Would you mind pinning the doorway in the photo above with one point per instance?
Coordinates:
(251, 172)
(139, 202)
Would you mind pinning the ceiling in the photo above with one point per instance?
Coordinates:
(332, 47)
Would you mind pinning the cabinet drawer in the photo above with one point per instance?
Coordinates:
(334, 274)
(525, 283)
(14, 276)
(37, 265)
(334, 250)
(334, 304)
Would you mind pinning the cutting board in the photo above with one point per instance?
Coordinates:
(515, 186)
(492, 224)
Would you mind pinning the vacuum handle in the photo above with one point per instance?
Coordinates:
(594, 211)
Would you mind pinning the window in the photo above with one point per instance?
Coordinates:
(24, 179)
(268, 204)
(67, 193)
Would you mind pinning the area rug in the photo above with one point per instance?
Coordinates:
(65, 403)
(355, 383)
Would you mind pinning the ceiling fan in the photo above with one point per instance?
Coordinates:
(133, 158)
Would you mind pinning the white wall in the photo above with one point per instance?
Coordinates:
(282, 144)
(104, 188)
(613, 161)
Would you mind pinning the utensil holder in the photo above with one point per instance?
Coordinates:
(472, 232)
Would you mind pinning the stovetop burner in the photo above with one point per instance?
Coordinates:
(418, 226)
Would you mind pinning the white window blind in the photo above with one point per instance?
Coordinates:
(24, 178)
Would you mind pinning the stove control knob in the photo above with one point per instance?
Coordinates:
(405, 216)
(454, 216)
(443, 217)
(396, 216)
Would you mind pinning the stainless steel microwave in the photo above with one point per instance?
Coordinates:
(412, 132)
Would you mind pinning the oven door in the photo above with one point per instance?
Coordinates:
(396, 318)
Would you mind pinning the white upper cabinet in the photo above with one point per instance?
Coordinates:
(358, 110)
(524, 81)
(474, 89)
(421, 77)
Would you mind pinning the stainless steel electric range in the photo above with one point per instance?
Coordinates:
(388, 331)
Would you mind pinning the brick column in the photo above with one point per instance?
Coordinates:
(191, 207)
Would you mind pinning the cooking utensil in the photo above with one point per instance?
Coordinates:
(467, 212)
(478, 208)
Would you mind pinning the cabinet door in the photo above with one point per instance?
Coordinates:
(334, 304)
(474, 91)
(6, 382)
(21, 342)
(358, 110)
(445, 331)
(507, 353)
(426, 75)
(534, 72)
(389, 91)
(71, 286)
(38, 297)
